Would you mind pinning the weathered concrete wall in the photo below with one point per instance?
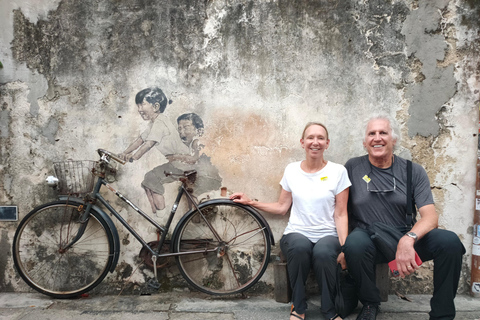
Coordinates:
(255, 72)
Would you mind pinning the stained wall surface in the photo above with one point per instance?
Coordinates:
(254, 72)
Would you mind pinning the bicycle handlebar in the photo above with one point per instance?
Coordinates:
(112, 155)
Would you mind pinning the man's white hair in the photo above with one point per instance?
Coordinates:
(396, 134)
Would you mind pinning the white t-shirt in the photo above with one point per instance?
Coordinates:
(313, 196)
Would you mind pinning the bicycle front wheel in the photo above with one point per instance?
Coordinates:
(42, 259)
(232, 245)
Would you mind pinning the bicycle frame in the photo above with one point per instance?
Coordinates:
(164, 229)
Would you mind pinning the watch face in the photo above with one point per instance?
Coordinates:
(412, 235)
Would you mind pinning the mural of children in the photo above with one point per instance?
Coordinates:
(161, 133)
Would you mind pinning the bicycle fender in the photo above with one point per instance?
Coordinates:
(218, 201)
(111, 226)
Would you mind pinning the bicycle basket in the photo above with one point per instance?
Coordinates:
(74, 177)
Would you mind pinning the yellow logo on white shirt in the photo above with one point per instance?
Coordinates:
(324, 178)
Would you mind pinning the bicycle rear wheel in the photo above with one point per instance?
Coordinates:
(239, 245)
(40, 256)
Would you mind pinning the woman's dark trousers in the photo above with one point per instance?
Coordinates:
(302, 255)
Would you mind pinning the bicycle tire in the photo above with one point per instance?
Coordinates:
(243, 254)
(45, 267)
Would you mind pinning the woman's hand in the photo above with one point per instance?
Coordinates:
(341, 260)
(240, 198)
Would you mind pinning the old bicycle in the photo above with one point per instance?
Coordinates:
(67, 247)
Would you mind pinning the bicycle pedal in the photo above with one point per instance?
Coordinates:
(153, 284)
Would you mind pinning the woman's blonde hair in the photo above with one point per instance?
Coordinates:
(313, 123)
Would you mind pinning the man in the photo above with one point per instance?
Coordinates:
(378, 193)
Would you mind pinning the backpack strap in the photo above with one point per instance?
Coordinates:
(410, 204)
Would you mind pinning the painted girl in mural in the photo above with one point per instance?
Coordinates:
(181, 148)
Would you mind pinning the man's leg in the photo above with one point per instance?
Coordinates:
(325, 253)
(298, 250)
(446, 250)
(360, 253)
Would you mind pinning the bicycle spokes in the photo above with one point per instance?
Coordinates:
(238, 260)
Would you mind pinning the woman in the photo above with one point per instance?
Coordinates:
(317, 190)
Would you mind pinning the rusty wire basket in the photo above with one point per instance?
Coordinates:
(74, 177)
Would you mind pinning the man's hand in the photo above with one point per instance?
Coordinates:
(406, 257)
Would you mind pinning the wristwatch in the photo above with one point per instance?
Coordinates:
(412, 235)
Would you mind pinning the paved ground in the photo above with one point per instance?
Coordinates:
(186, 306)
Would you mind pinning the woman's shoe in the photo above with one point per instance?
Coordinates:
(296, 315)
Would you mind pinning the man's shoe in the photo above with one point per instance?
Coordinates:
(369, 312)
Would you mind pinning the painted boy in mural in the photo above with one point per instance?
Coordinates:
(190, 129)
(181, 148)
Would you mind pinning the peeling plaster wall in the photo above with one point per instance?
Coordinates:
(255, 72)
(435, 85)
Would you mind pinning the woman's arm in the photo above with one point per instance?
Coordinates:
(341, 215)
(280, 207)
(341, 222)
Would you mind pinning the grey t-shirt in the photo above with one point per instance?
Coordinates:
(388, 206)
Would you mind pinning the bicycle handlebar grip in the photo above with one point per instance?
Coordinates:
(111, 155)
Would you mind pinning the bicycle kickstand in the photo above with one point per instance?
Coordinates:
(153, 283)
